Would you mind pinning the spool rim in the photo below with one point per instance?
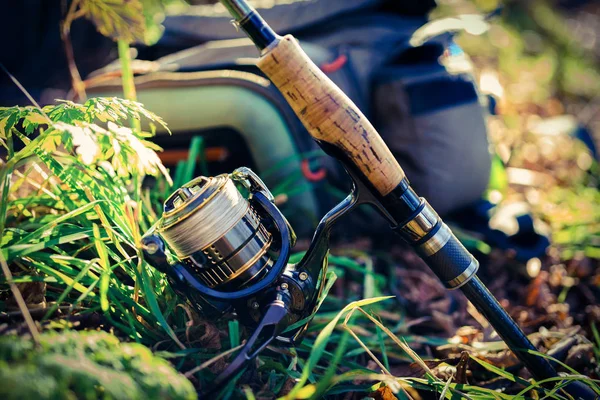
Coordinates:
(197, 217)
(167, 221)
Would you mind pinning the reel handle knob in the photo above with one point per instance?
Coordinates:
(153, 248)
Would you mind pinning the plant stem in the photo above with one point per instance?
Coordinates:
(127, 78)
(35, 335)
(65, 34)
(5, 177)
(126, 72)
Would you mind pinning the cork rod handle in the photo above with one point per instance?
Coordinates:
(328, 114)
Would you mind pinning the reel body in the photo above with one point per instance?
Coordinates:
(226, 252)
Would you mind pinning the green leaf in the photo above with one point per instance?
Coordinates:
(234, 333)
(47, 229)
(105, 278)
(195, 148)
(8, 117)
(154, 16)
(60, 276)
(22, 250)
(68, 289)
(117, 19)
(500, 372)
(382, 347)
(323, 339)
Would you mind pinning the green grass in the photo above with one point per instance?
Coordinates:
(73, 210)
(73, 218)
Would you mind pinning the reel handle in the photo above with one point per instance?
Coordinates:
(328, 114)
(272, 324)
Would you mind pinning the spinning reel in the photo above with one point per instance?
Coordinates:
(230, 252)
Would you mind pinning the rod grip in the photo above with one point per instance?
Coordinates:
(328, 114)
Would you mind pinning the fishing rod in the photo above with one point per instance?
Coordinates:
(230, 251)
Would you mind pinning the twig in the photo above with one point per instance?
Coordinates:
(65, 35)
(35, 335)
(190, 323)
(446, 387)
(39, 310)
(402, 344)
(360, 342)
(213, 360)
(369, 352)
(25, 92)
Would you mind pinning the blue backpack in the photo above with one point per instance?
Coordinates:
(422, 99)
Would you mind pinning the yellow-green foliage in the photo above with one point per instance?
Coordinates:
(86, 365)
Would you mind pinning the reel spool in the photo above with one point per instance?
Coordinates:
(217, 233)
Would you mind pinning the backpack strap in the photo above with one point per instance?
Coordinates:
(212, 22)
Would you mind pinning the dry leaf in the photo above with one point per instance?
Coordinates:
(383, 393)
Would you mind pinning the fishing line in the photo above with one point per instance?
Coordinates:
(210, 221)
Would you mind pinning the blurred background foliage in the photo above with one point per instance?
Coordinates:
(539, 60)
(542, 49)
